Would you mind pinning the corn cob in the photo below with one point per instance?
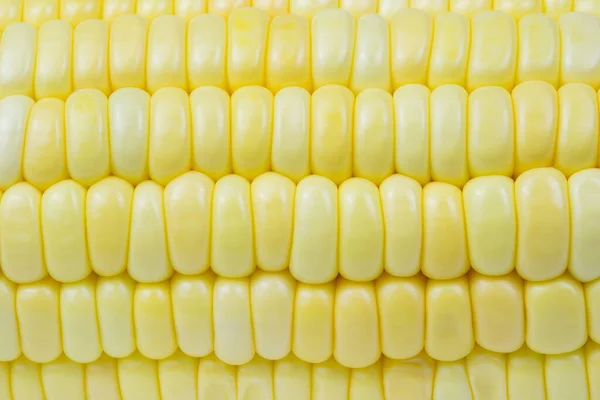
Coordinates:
(482, 375)
(413, 47)
(270, 314)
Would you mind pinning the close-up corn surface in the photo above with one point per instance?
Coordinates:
(299, 200)
(413, 47)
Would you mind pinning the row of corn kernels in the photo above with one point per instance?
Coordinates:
(76, 11)
(270, 314)
(249, 49)
(444, 135)
(483, 375)
(541, 225)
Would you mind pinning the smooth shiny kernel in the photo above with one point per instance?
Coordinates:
(310, 8)
(166, 63)
(10, 346)
(177, 377)
(470, 8)
(224, 8)
(101, 379)
(389, 8)
(566, 376)
(539, 49)
(138, 378)
(255, 380)
(77, 11)
(371, 65)
(26, 380)
(112, 9)
(592, 356)
(206, 51)
(518, 8)
(487, 374)
(330, 380)
(449, 50)
(366, 383)
(592, 295)
(525, 371)
(216, 379)
(36, 12)
(431, 6)
(127, 52)
(411, 378)
(153, 9)
(17, 59)
(14, 112)
(188, 9)
(451, 381)
(53, 67)
(90, 56)
(292, 378)
(580, 40)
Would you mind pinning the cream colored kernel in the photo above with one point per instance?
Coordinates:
(519, 8)
(470, 8)
(566, 376)
(188, 9)
(389, 8)
(63, 379)
(358, 8)
(26, 380)
(166, 63)
(592, 296)
(592, 357)
(206, 51)
(112, 9)
(580, 40)
(431, 6)
(153, 9)
(330, 381)
(177, 376)
(36, 12)
(53, 66)
(101, 379)
(11, 12)
(487, 374)
(138, 378)
(366, 383)
(77, 11)
(14, 113)
(128, 52)
(525, 371)
(292, 378)
(10, 345)
(255, 380)
(539, 49)
(371, 65)
(273, 7)
(449, 49)
(17, 59)
(310, 8)
(451, 381)
(409, 379)
(225, 7)
(90, 56)
(216, 379)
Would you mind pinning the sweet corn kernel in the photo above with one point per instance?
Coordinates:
(17, 60)
(577, 140)
(90, 56)
(272, 298)
(127, 52)
(491, 224)
(401, 307)
(211, 131)
(592, 353)
(14, 112)
(498, 312)
(448, 137)
(451, 381)
(177, 377)
(449, 50)
(550, 306)
(313, 326)
(389, 8)
(487, 374)
(371, 65)
(314, 255)
(251, 131)
(273, 216)
(332, 45)
(44, 157)
(566, 376)
(26, 380)
(490, 132)
(309, 8)
(584, 189)
(10, 347)
(361, 234)
(232, 239)
(77, 11)
(53, 60)
(114, 302)
(470, 8)
(366, 383)
(79, 321)
(36, 12)
(101, 379)
(288, 53)
(330, 380)
(138, 378)
(539, 49)
(206, 48)
(21, 246)
(580, 38)
(519, 8)
(444, 238)
(255, 380)
(358, 8)
(543, 222)
(148, 256)
(63, 231)
(592, 295)
(87, 137)
(591, 6)
(411, 33)
(292, 378)
(408, 379)
(154, 9)
(449, 334)
(216, 379)
(225, 7)
(170, 135)
(373, 136)
(431, 6)
(38, 312)
(535, 105)
(166, 64)
(291, 133)
(11, 12)
(411, 132)
(234, 337)
(402, 212)
(63, 379)
(188, 9)
(192, 298)
(525, 371)
(113, 9)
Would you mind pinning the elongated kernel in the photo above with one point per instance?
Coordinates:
(225, 7)
(14, 112)
(518, 8)
(127, 52)
(63, 379)
(451, 381)
(77, 11)
(26, 380)
(366, 383)
(539, 49)
(206, 48)
(292, 378)
(53, 67)
(330, 380)
(102, 380)
(580, 38)
(188, 9)
(592, 357)
(449, 50)
(592, 294)
(90, 56)
(389, 8)
(255, 380)
(525, 372)
(10, 346)
(408, 378)
(177, 376)
(566, 376)
(470, 8)
(487, 374)
(112, 9)
(154, 9)
(166, 63)
(216, 379)
(371, 66)
(138, 378)
(17, 60)
(36, 12)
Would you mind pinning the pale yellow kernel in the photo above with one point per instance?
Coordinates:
(251, 131)
(90, 56)
(86, 136)
(371, 65)
(557, 8)
(431, 6)
(232, 238)
(206, 51)
(498, 311)
(539, 49)
(53, 66)
(36, 12)
(273, 7)
(491, 223)
(310, 8)
(107, 215)
(153, 9)
(592, 357)
(26, 380)
(101, 379)
(411, 130)
(63, 231)
(187, 203)
(246, 47)
(148, 256)
(444, 238)
(590, 6)
(566, 376)
(153, 318)
(490, 132)
(17, 59)
(361, 240)
(21, 247)
(166, 63)
(211, 131)
(401, 307)
(358, 8)
(330, 381)
(224, 8)
(449, 49)
(366, 383)
(170, 148)
(314, 256)
(580, 40)
(63, 379)
(112, 9)
(255, 380)
(518, 8)
(449, 335)
(292, 378)
(114, 302)
(138, 378)
(451, 381)
(313, 323)
(551, 306)
(192, 302)
(389, 8)
(10, 346)
(77, 11)
(216, 379)
(470, 8)
(79, 321)
(487, 374)
(332, 45)
(234, 338)
(127, 52)
(273, 217)
(10, 11)
(408, 379)
(177, 376)
(544, 224)
(44, 158)
(188, 9)
(38, 311)
(288, 53)
(14, 113)
(592, 296)
(525, 372)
